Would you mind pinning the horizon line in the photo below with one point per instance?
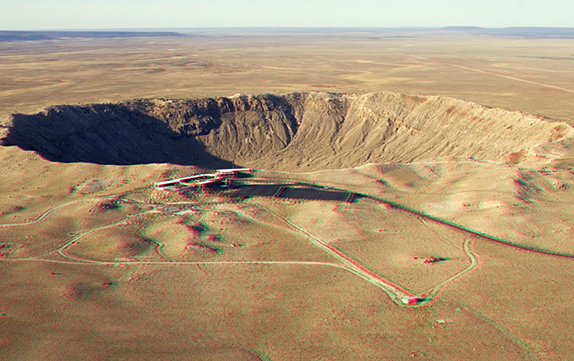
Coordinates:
(404, 27)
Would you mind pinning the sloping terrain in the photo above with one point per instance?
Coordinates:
(299, 131)
(93, 257)
(92, 249)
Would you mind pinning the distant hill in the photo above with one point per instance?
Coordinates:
(523, 32)
(528, 32)
(8, 36)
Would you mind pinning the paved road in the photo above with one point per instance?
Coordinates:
(398, 294)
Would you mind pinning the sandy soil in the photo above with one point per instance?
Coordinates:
(486, 70)
(195, 271)
(445, 258)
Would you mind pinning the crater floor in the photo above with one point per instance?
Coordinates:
(298, 131)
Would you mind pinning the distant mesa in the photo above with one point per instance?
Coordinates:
(298, 131)
(464, 28)
(514, 32)
(9, 36)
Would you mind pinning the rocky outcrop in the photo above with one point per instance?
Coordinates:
(303, 131)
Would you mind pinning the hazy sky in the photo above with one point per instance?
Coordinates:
(103, 14)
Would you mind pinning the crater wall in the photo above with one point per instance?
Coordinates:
(298, 131)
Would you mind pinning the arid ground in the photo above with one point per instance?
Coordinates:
(411, 197)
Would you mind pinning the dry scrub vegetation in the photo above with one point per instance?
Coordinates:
(462, 206)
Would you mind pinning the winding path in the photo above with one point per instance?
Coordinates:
(398, 294)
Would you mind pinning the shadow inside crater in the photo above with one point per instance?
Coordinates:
(106, 134)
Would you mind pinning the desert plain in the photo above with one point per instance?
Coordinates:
(408, 196)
